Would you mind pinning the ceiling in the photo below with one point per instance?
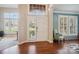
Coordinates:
(57, 7)
(66, 7)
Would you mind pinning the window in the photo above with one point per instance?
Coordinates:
(11, 15)
(10, 23)
(37, 9)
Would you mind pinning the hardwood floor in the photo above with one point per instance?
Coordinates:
(37, 48)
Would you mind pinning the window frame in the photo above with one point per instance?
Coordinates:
(9, 17)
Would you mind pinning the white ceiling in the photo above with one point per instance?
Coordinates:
(67, 7)
(57, 7)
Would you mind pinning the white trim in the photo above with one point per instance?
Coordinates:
(50, 41)
(66, 12)
(35, 41)
(38, 40)
(19, 43)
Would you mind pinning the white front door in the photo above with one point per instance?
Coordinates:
(37, 28)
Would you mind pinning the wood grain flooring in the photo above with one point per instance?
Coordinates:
(42, 47)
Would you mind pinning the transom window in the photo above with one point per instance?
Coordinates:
(37, 9)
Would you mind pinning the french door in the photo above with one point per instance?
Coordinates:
(67, 25)
(73, 25)
(37, 28)
(63, 24)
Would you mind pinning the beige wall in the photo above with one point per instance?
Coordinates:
(23, 9)
(6, 9)
(22, 23)
(50, 21)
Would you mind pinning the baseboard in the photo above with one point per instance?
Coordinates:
(21, 42)
(50, 41)
(35, 41)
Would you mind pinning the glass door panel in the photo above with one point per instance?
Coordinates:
(65, 25)
(31, 28)
(61, 24)
(73, 24)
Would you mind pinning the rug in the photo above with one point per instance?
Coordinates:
(7, 42)
(72, 48)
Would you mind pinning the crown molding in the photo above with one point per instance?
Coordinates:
(66, 12)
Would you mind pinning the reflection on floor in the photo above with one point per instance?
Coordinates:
(7, 42)
(43, 48)
(70, 48)
(32, 49)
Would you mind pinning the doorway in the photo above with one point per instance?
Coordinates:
(37, 28)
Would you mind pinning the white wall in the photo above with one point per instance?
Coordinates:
(1, 22)
(67, 7)
(9, 5)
